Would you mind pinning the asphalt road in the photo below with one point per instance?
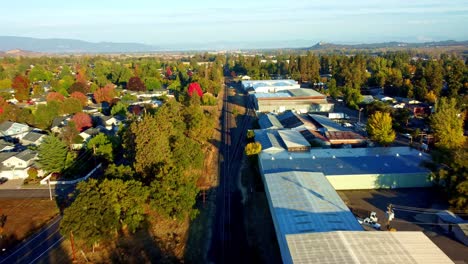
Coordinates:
(59, 190)
(36, 247)
(229, 241)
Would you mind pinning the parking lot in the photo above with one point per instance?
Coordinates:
(366, 201)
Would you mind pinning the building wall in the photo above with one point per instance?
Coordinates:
(378, 181)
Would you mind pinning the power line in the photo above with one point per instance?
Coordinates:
(427, 209)
(424, 212)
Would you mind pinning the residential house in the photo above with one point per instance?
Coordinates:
(13, 130)
(58, 123)
(15, 164)
(6, 146)
(33, 138)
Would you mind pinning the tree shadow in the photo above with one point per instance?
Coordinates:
(144, 247)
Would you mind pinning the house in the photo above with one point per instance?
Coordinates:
(6, 146)
(15, 164)
(384, 98)
(13, 129)
(58, 123)
(91, 132)
(90, 109)
(367, 99)
(33, 138)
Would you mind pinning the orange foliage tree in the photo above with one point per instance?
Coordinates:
(21, 85)
(105, 94)
(82, 121)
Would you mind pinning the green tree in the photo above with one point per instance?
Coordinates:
(52, 154)
(119, 109)
(101, 209)
(173, 194)
(101, 146)
(379, 127)
(447, 123)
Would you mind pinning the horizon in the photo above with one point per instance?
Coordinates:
(263, 24)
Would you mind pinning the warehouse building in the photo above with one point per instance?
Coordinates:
(357, 168)
(313, 224)
(298, 100)
(269, 86)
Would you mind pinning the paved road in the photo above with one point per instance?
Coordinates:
(59, 190)
(229, 241)
(36, 247)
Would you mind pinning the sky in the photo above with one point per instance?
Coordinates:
(257, 23)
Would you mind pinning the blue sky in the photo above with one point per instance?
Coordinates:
(259, 22)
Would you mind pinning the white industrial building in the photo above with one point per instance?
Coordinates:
(269, 86)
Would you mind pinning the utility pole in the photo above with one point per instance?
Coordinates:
(360, 110)
(72, 241)
(50, 190)
(390, 215)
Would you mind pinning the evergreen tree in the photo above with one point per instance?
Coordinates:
(52, 154)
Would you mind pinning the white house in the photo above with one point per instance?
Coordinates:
(16, 164)
(13, 129)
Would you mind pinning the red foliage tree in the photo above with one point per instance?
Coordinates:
(105, 94)
(82, 121)
(135, 84)
(81, 97)
(81, 74)
(21, 85)
(79, 87)
(168, 72)
(54, 96)
(195, 87)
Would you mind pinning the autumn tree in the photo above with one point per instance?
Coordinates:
(54, 96)
(21, 86)
(379, 127)
(70, 135)
(135, 84)
(78, 87)
(447, 123)
(82, 121)
(105, 94)
(81, 97)
(253, 148)
(71, 106)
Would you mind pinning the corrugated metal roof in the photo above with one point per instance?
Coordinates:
(268, 121)
(301, 92)
(364, 247)
(327, 123)
(293, 139)
(268, 139)
(349, 161)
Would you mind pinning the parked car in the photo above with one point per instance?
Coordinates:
(406, 135)
(3, 180)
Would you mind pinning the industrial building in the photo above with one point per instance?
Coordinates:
(299, 100)
(312, 223)
(356, 168)
(269, 86)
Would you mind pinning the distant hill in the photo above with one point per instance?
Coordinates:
(394, 44)
(8, 43)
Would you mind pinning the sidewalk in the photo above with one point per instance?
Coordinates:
(12, 184)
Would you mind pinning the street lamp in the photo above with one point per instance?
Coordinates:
(360, 110)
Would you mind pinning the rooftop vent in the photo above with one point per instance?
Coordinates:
(333, 156)
(313, 157)
(398, 155)
(420, 154)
